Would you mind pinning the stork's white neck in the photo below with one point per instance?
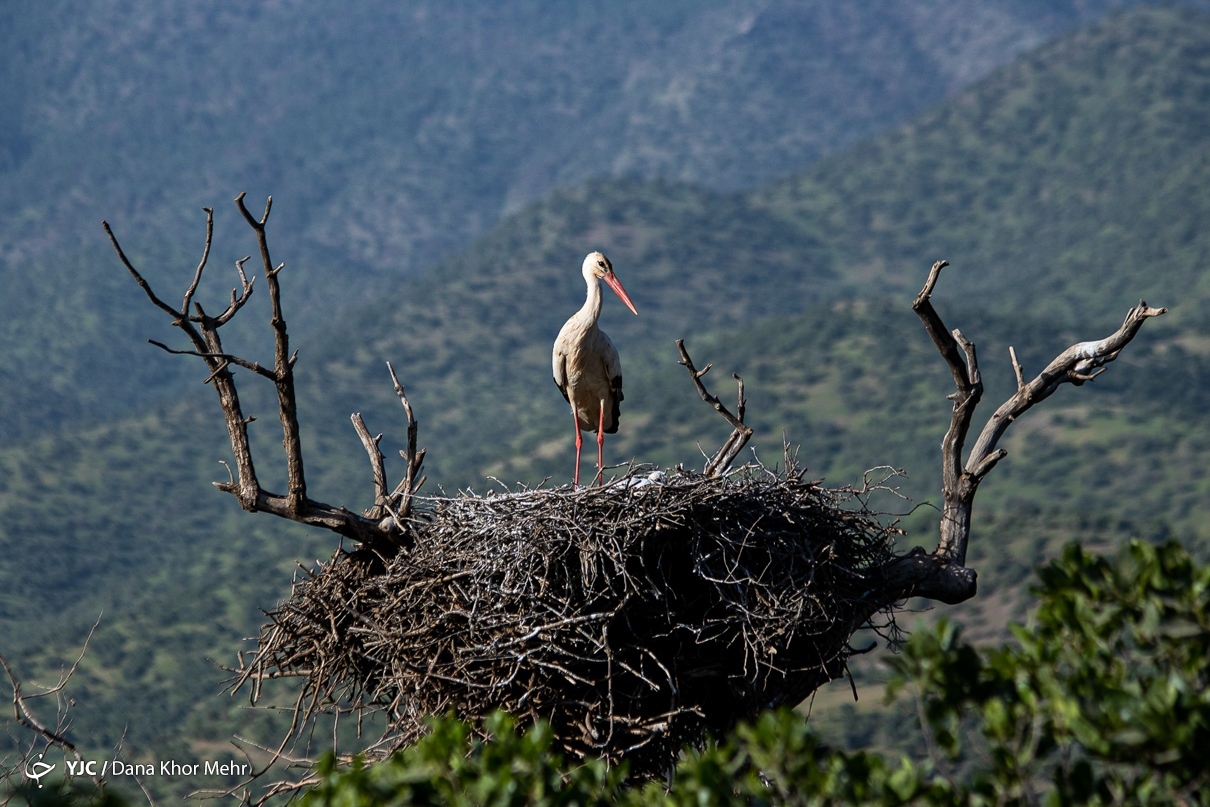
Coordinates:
(591, 311)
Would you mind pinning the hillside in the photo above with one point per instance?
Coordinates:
(1052, 220)
(1106, 134)
(802, 286)
(395, 135)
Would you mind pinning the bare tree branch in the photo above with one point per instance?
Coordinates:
(143, 284)
(237, 302)
(202, 331)
(283, 367)
(410, 483)
(24, 714)
(197, 275)
(1079, 363)
(1017, 371)
(377, 467)
(955, 517)
(227, 358)
(942, 575)
(740, 433)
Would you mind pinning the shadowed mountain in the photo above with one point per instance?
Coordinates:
(394, 135)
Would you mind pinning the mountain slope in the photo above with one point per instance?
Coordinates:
(457, 111)
(393, 135)
(1050, 219)
(1075, 174)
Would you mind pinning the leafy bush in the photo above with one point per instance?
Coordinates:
(453, 766)
(1102, 699)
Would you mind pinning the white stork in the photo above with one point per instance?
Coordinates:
(586, 365)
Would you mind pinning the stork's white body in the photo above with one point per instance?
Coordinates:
(587, 368)
(585, 363)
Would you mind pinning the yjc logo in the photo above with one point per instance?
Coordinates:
(82, 768)
(39, 769)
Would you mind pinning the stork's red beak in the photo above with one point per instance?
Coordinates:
(616, 285)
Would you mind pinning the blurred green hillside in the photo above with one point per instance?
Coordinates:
(394, 134)
(1028, 182)
(1062, 187)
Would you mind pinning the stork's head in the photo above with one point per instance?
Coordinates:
(597, 267)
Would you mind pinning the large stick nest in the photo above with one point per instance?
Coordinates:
(634, 617)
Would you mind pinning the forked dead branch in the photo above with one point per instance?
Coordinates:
(202, 329)
(635, 616)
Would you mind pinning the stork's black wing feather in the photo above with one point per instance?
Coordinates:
(618, 397)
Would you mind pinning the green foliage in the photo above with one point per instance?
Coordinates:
(780, 760)
(454, 766)
(1103, 698)
(777, 760)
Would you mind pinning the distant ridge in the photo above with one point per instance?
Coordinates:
(393, 135)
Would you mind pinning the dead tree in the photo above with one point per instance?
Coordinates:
(942, 574)
(636, 616)
(385, 525)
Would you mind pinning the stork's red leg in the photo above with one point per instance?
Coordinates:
(601, 444)
(579, 442)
